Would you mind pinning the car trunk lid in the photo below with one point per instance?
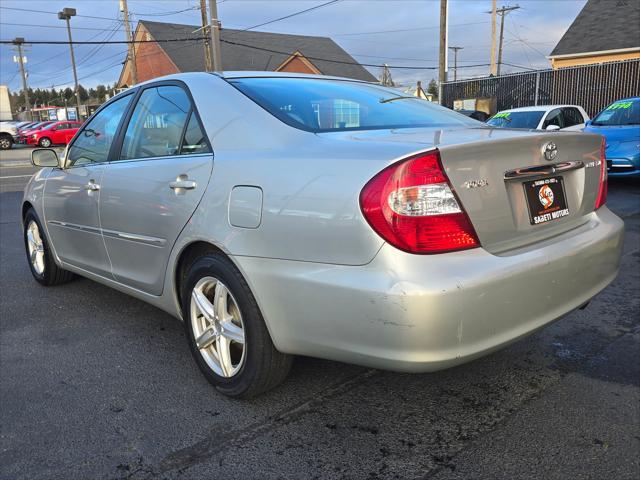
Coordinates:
(490, 171)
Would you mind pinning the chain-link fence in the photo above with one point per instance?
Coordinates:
(591, 86)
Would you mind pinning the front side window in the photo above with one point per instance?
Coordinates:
(521, 119)
(157, 123)
(554, 118)
(95, 139)
(319, 105)
(572, 116)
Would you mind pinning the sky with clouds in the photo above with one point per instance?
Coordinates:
(396, 32)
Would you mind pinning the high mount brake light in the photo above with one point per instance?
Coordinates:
(602, 183)
(412, 206)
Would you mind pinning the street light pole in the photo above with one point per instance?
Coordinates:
(66, 15)
(18, 42)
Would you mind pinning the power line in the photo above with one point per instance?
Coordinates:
(97, 42)
(290, 15)
(52, 13)
(164, 14)
(53, 26)
(344, 62)
(403, 30)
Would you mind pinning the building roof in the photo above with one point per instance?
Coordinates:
(248, 50)
(602, 25)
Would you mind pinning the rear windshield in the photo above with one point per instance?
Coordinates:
(624, 112)
(516, 119)
(319, 105)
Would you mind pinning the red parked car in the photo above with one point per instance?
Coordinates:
(29, 129)
(57, 133)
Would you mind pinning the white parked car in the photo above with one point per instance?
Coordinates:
(547, 117)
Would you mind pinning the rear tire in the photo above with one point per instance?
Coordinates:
(44, 142)
(41, 263)
(254, 365)
(6, 141)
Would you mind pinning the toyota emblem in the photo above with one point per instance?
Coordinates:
(550, 151)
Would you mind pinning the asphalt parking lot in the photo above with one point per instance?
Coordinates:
(95, 384)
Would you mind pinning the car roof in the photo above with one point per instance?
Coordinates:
(263, 74)
(628, 99)
(539, 108)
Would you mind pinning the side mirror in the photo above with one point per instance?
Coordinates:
(552, 127)
(44, 157)
(587, 123)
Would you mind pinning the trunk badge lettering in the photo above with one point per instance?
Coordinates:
(475, 183)
(550, 151)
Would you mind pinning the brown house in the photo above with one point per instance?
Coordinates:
(241, 50)
(604, 31)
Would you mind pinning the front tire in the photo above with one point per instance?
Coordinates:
(226, 332)
(44, 142)
(41, 262)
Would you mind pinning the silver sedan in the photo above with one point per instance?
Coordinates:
(282, 215)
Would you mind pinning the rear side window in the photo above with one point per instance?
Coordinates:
(157, 123)
(319, 105)
(194, 139)
(94, 141)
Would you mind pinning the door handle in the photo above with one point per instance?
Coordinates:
(182, 183)
(92, 186)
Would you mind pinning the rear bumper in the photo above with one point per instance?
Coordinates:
(424, 313)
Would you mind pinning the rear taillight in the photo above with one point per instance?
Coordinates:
(412, 206)
(602, 183)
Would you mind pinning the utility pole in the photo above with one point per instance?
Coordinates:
(455, 61)
(502, 12)
(18, 42)
(385, 77)
(214, 26)
(132, 46)
(205, 33)
(442, 58)
(494, 70)
(66, 15)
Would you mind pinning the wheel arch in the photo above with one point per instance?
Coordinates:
(188, 254)
(26, 206)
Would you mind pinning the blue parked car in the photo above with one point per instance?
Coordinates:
(620, 125)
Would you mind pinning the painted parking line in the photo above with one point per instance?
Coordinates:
(16, 176)
(15, 165)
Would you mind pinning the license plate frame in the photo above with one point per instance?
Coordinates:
(546, 200)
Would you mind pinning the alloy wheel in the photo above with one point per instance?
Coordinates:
(5, 143)
(217, 326)
(36, 247)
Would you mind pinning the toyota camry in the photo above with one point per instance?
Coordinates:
(284, 214)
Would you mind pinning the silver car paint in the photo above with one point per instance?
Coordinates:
(141, 216)
(327, 285)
